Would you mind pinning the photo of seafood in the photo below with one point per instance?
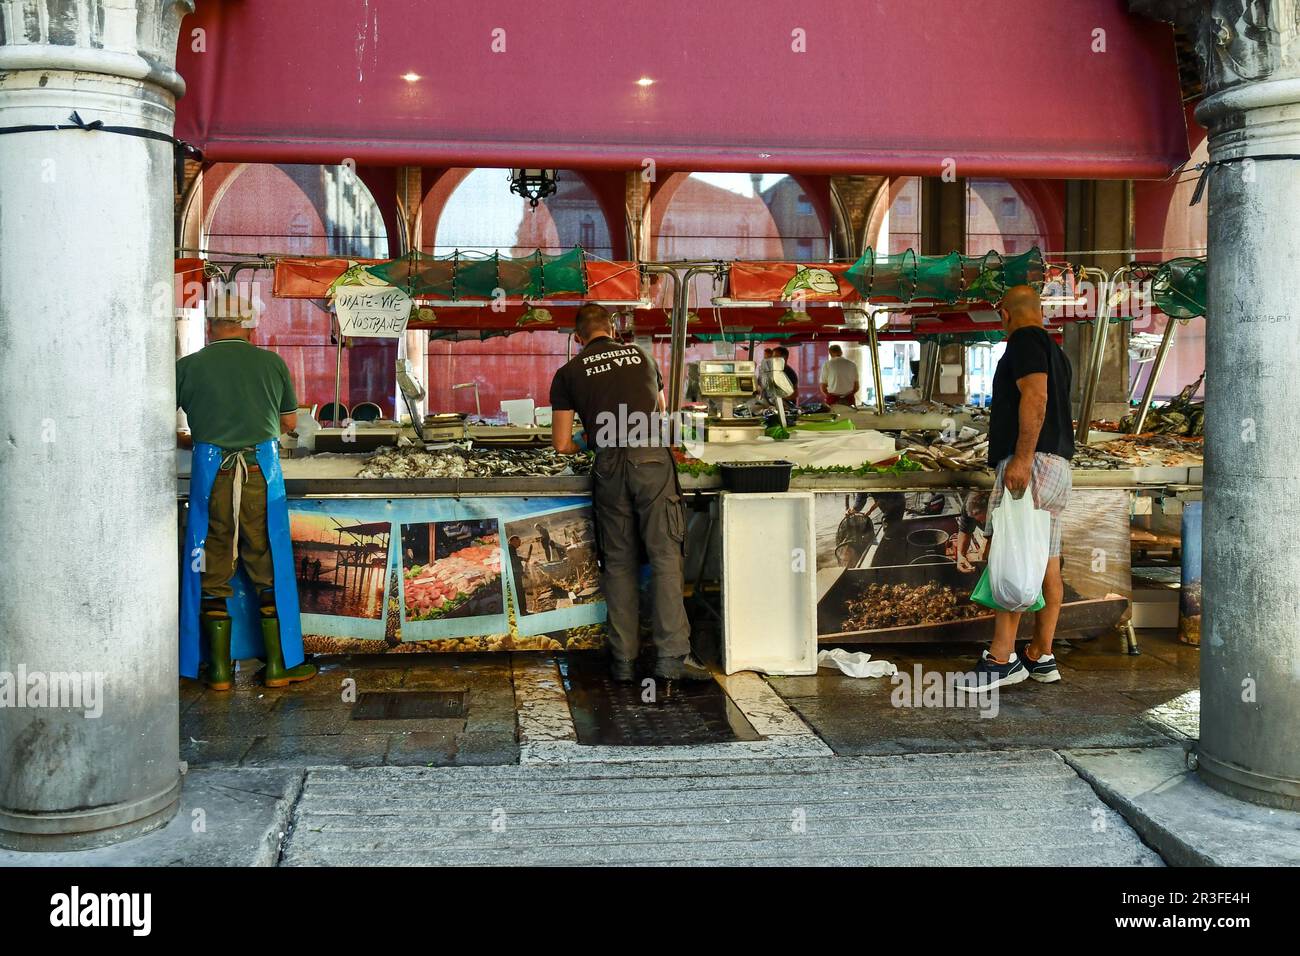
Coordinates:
(553, 561)
(341, 564)
(900, 566)
(451, 569)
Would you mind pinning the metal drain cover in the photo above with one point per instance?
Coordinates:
(615, 714)
(409, 705)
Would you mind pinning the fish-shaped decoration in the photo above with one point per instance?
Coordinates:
(811, 279)
(792, 317)
(355, 274)
(535, 316)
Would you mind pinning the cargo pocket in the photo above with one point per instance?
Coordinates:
(676, 518)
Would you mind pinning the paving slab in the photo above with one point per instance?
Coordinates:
(226, 818)
(1189, 823)
(948, 809)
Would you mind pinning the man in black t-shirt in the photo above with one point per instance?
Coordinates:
(1031, 442)
(617, 392)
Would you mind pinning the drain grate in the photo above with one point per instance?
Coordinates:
(409, 705)
(615, 714)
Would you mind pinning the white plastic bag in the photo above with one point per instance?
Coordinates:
(1018, 552)
(857, 664)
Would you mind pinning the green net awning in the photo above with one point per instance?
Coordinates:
(464, 275)
(952, 278)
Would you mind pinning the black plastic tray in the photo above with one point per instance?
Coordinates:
(756, 477)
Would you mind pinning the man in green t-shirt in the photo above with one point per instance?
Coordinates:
(237, 396)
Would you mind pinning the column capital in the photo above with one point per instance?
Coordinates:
(135, 39)
(1237, 41)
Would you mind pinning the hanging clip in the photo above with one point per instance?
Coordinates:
(1201, 183)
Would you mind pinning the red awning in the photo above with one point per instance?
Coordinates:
(310, 278)
(1001, 87)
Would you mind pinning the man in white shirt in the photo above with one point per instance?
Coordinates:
(839, 379)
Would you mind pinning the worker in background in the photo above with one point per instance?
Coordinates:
(517, 573)
(783, 354)
(1031, 443)
(636, 501)
(552, 550)
(238, 399)
(839, 379)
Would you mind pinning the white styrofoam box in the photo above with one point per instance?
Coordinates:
(769, 583)
(1142, 505)
(1154, 607)
(519, 411)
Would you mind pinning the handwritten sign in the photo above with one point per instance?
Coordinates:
(372, 312)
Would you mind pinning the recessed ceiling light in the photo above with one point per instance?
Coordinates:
(645, 81)
(411, 77)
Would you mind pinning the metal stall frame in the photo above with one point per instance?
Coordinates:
(1157, 367)
(873, 342)
(1101, 326)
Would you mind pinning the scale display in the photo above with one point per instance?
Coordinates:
(726, 379)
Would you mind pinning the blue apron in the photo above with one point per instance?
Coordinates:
(245, 616)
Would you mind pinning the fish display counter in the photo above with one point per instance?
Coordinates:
(409, 551)
(400, 551)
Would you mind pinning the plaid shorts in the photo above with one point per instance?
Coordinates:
(1051, 485)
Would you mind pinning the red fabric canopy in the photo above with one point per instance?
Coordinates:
(1001, 87)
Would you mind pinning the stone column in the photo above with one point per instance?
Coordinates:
(88, 610)
(1250, 650)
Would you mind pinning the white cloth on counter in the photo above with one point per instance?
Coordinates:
(808, 449)
(855, 663)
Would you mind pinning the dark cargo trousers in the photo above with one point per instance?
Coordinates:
(221, 550)
(637, 504)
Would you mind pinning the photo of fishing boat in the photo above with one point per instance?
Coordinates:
(899, 567)
(451, 569)
(341, 564)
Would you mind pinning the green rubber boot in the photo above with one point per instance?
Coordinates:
(276, 674)
(220, 674)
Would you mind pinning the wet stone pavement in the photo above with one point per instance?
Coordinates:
(837, 774)
(311, 724)
(1106, 699)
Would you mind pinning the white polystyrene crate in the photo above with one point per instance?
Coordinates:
(769, 585)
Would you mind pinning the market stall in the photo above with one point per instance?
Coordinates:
(434, 532)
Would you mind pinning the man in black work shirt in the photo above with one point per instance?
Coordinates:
(1031, 442)
(617, 392)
